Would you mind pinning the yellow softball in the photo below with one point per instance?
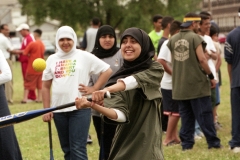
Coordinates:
(39, 64)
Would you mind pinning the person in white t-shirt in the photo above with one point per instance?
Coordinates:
(88, 42)
(9, 148)
(65, 71)
(210, 53)
(7, 49)
(170, 106)
(89, 37)
(214, 35)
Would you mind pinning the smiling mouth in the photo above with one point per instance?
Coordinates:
(128, 52)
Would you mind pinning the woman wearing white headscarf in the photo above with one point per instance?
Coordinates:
(65, 70)
(9, 148)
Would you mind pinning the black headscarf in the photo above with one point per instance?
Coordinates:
(144, 60)
(98, 50)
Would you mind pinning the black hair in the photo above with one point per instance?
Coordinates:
(157, 17)
(191, 14)
(205, 13)
(38, 31)
(95, 21)
(166, 20)
(203, 17)
(2, 26)
(176, 25)
(213, 31)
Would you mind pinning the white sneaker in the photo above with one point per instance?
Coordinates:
(89, 140)
(236, 150)
(200, 134)
(29, 100)
(196, 137)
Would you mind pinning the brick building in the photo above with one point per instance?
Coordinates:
(224, 13)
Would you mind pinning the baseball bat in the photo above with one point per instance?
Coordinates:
(24, 116)
(50, 140)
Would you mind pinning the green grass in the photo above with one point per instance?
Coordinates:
(33, 134)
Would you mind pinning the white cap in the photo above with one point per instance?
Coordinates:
(22, 26)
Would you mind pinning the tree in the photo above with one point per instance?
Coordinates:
(120, 14)
(80, 12)
(178, 8)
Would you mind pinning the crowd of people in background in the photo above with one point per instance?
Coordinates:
(156, 80)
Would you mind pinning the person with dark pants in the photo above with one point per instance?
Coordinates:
(164, 119)
(105, 133)
(105, 48)
(9, 148)
(232, 57)
(199, 108)
(166, 22)
(191, 80)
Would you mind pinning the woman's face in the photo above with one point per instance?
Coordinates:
(65, 44)
(130, 48)
(106, 41)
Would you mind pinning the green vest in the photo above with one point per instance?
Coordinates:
(140, 137)
(188, 78)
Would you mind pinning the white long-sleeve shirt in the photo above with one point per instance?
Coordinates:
(130, 83)
(5, 71)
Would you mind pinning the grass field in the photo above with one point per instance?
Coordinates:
(33, 134)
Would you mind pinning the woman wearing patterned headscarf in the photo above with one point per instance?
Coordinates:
(135, 101)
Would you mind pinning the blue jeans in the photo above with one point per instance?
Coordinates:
(201, 110)
(197, 128)
(235, 101)
(72, 128)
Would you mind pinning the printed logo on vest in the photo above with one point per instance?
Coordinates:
(181, 50)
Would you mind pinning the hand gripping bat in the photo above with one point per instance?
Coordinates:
(24, 116)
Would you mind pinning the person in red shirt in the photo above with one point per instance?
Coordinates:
(33, 79)
(28, 38)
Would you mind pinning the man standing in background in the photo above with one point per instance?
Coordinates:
(33, 79)
(210, 54)
(156, 33)
(192, 90)
(90, 35)
(88, 43)
(7, 49)
(166, 23)
(28, 38)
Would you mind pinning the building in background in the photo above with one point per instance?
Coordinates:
(11, 14)
(224, 13)
(49, 28)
